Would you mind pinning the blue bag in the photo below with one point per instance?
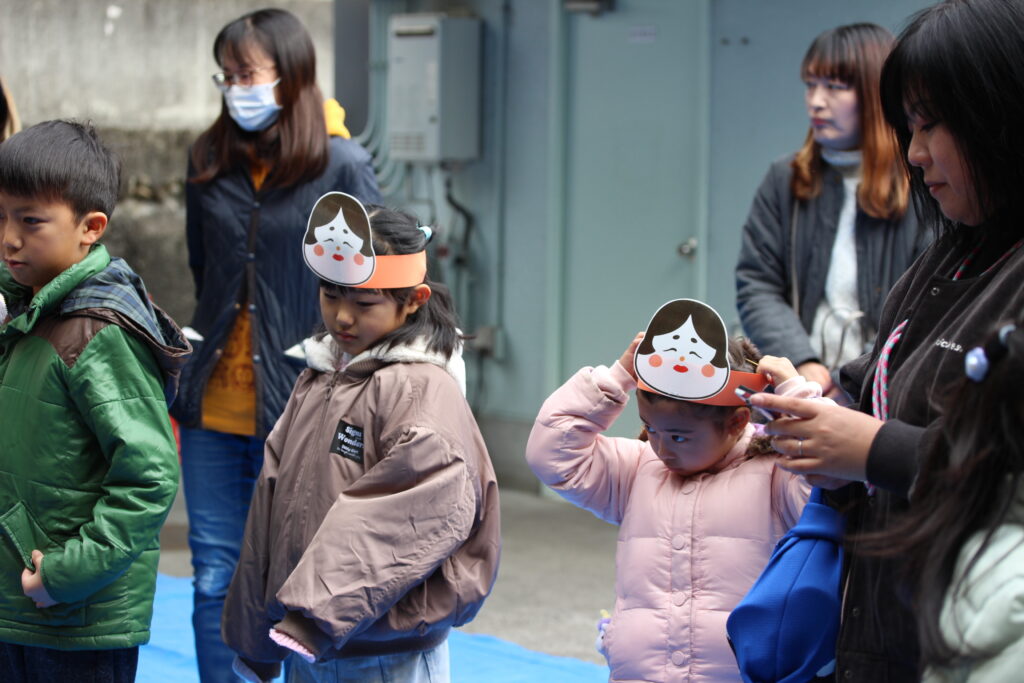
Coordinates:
(784, 630)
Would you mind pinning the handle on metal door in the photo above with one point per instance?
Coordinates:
(686, 249)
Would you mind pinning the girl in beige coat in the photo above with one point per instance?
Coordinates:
(374, 528)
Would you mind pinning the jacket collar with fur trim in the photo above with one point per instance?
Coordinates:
(322, 354)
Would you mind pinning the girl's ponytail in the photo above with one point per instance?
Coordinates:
(436, 322)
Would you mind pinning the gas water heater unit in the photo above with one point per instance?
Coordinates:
(433, 92)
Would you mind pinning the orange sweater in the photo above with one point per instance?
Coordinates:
(229, 404)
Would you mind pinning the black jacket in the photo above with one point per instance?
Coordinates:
(245, 247)
(885, 249)
(878, 638)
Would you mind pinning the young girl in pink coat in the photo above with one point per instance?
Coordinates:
(698, 499)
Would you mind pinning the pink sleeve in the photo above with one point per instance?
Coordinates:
(568, 452)
(792, 490)
(798, 387)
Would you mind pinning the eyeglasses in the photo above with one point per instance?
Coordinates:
(223, 81)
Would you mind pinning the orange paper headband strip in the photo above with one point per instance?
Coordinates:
(397, 271)
(727, 396)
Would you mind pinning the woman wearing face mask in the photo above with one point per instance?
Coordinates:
(829, 231)
(253, 177)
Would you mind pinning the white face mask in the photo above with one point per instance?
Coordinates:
(253, 107)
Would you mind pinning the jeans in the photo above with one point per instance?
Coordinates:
(219, 473)
(431, 666)
(30, 664)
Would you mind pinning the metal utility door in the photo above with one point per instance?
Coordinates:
(635, 163)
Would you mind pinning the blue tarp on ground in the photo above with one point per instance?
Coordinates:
(170, 655)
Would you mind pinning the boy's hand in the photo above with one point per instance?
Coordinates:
(32, 583)
(776, 370)
(626, 360)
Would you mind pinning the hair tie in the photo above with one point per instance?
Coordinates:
(428, 232)
(978, 360)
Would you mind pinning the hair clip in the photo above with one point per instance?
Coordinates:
(976, 364)
(427, 231)
(978, 360)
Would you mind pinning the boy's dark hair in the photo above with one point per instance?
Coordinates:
(962, 64)
(61, 161)
(396, 232)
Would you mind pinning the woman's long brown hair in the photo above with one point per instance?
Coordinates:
(854, 54)
(294, 148)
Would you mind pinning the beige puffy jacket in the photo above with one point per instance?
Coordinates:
(375, 526)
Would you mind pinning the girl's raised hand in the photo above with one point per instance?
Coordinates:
(626, 361)
(818, 438)
(776, 370)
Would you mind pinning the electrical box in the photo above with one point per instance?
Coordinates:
(433, 92)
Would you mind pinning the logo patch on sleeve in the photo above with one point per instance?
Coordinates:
(348, 442)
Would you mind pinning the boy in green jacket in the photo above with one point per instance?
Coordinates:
(88, 463)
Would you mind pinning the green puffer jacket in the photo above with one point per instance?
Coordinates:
(88, 464)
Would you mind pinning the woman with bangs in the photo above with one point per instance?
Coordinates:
(829, 231)
(253, 177)
(953, 90)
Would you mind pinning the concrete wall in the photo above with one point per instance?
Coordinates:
(131, 64)
(140, 71)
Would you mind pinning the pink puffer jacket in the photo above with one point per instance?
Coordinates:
(689, 547)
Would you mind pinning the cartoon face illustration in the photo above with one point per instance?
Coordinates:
(337, 245)
(338, 235)
(683, 353)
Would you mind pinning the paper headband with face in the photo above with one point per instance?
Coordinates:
(338, 247)
(685, 355)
